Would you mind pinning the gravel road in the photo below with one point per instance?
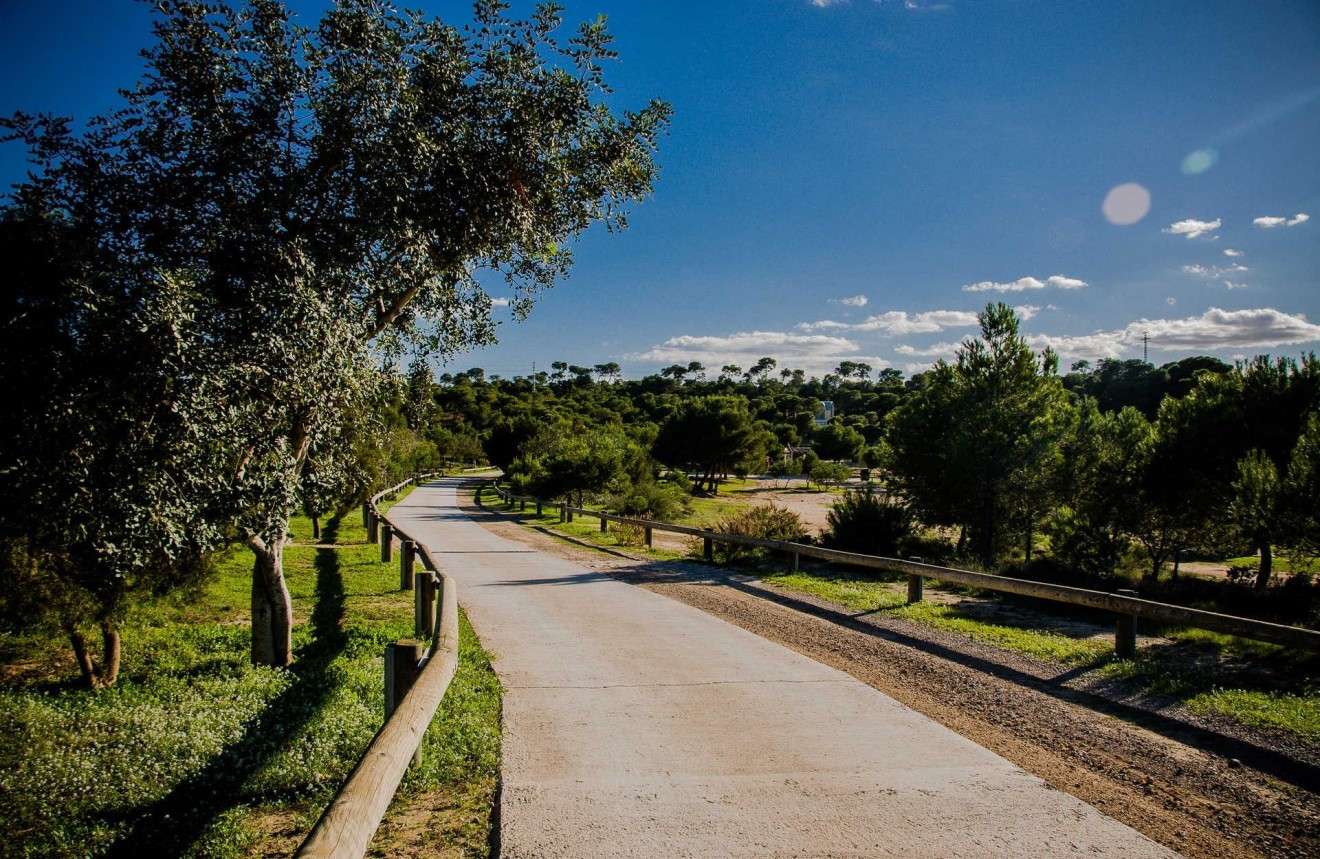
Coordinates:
(1199, 787)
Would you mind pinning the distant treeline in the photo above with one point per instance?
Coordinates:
(1115, 466)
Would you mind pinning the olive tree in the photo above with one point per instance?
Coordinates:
(332, 192)
(103, 499)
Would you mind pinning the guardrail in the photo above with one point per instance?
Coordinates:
(1127, 607)
(415, 684)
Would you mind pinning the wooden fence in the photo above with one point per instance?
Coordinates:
(1125, 606)
(415, 682)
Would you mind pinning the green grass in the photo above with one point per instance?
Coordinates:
(864, 594)
(1282, 563)
(1042, 644)
(195, 751)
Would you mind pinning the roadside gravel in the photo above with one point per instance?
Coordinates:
(1202, 788)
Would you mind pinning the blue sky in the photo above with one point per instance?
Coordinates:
(853, 180)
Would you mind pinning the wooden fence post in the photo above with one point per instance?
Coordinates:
(373, 527)
(708, 549)
(604, 524)
(366, 512)
(563, 513)
(915, 584)
(796, 563)
(569, 510)
(647, 531)
(538, 507)
(424, 605)
(1125, 635)
(401, 660)
(407, 563)
(386, 543)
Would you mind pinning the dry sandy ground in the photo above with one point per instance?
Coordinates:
(1201, 788)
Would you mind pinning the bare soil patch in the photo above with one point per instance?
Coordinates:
(1199, 787)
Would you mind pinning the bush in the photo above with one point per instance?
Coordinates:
(869, 523)
(765, 522)
(829, 472)
(663, 500)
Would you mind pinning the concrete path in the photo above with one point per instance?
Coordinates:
(636, 726)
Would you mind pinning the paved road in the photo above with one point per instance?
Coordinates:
(636, 726)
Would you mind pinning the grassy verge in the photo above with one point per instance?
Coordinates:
(1256, 684)
(195, 752)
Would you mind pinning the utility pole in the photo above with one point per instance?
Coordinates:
(1145, 348)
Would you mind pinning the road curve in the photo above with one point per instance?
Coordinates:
(636, 726)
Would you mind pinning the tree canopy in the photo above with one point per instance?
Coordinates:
(321, 196)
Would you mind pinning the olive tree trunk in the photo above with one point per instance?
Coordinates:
(272, 612)
(1266, 566)
(97, 676)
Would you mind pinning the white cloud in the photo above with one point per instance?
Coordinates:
(898, 322)
(1270, 222)
(938, 350)
(1022, 284)
(1026, 311)
(1234, 285)
(776, 344)
(824, 3)
(1192, 228)
(499, 302)
(1214, 271)
(1229, 252)
(1171, 301)
(854, 301)
(1213, 330)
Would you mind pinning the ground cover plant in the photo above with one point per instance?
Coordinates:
(197, 752)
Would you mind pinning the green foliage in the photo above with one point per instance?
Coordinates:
(978, 446)
(651, 499)
(715, 435)
(567, 461)
(1301, 519)
(195, 745)
(1254, 506)
(868, 523)
(764, 522)
(829, 472)
(247, 193)
(838, 441)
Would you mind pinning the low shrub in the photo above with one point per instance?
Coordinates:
(661, 500)
(870, 524)
(829, 472)
(764, 522)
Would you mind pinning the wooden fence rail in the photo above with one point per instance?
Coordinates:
(1126, 607)
(349, 822)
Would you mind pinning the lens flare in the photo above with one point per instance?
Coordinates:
(1199, 161)
(1126, 204)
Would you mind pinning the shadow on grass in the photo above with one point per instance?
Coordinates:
(173, 823)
